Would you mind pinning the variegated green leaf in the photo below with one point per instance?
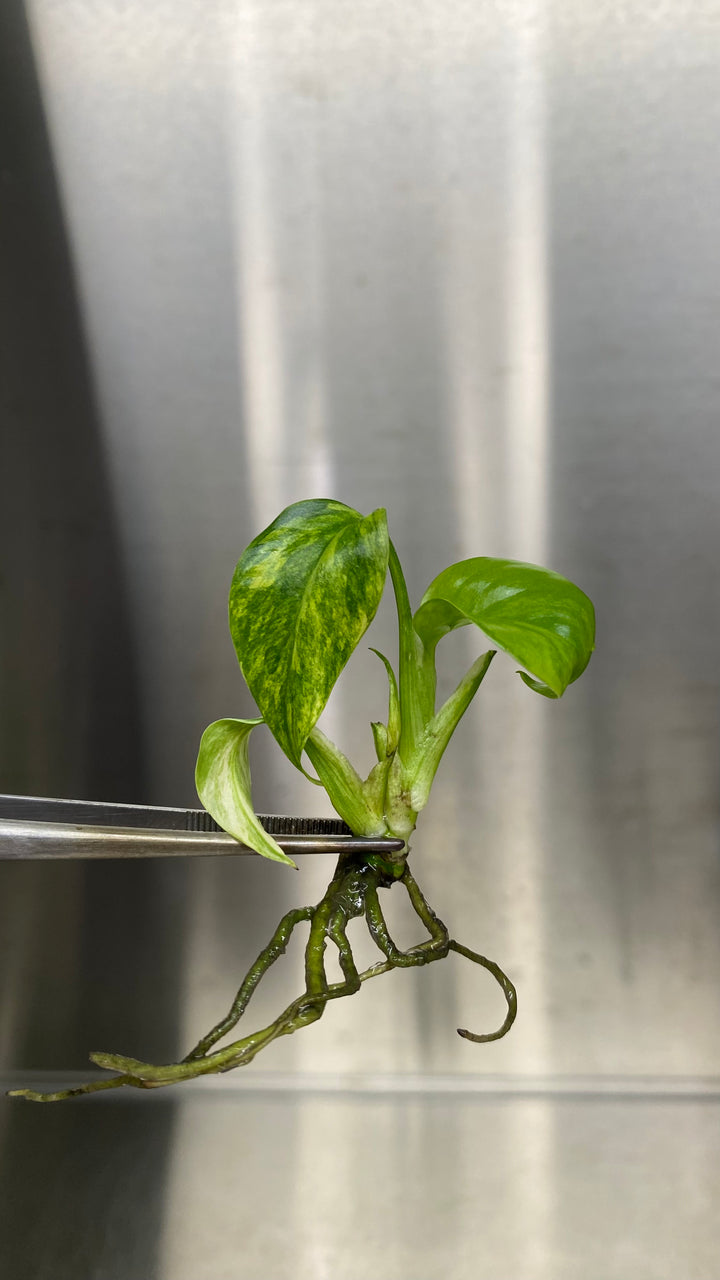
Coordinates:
(544, 622)
(303, 594)
(222, 779)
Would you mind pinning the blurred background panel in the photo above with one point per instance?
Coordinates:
(456, 259)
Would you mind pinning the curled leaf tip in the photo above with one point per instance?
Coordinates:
(538, 686)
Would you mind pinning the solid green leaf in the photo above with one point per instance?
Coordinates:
(542, 620)
(303, 594)
(222, 779)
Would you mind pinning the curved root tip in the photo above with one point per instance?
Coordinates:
(484, 1039)
(507, 988)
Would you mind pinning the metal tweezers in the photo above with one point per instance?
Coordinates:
(33, 827)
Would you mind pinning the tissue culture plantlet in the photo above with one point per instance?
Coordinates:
(303, 594)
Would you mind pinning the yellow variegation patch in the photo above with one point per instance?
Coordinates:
(303, 594)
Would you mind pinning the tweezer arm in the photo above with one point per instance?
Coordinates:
(61, 840)
(37, 828)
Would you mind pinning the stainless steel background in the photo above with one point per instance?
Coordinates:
(456, 259)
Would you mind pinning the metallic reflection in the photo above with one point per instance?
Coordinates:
(279, 273)
(259, 292)
(460, 260)
(312, 1187)
(301, 1187)
(329, 171)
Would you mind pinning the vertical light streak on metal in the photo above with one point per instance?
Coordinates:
(279, 271)
(279, 274)
(526, 432)
(204, 954)
(531, 1140)
(466, 396)
(526, 319)
(260, 357)
(527, 487)
(323, 1207)
(206, 1216)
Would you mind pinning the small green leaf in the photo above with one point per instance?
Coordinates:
(358, 803)
(416, 667)
(543, 621)
(303, 594)
(222, 779)
(393, 721)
